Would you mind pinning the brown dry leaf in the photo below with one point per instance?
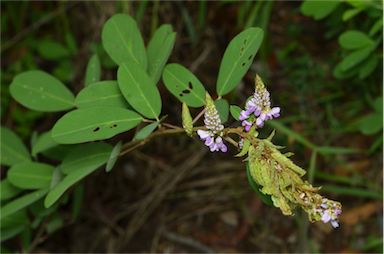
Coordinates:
(360, 213)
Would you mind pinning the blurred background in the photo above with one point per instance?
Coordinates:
(173, 195)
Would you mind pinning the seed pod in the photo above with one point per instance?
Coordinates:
(187, 120)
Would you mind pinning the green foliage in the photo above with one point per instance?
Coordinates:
(103, 93)
(94, 123)
(184, 85)
(235, 111)
(139, 89)
(52, 50)
(146, 131)
(113, 156)
(353, 39)
(30, 175)
(222, 107)
(88, 155)
(40, 91)
(122, 40)
(8, 190)
(93, 72)
(43, 142)
(237, 59)
(159, 49)
(318, 9)
(13, 151)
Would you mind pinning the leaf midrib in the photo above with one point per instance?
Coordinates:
(45, 93)
(235, 64)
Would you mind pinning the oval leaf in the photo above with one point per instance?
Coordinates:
(93, 72)
(265, 198)
(91, 124)
(12, 150)
(139, 90)
(52, 50)
(40, 91)
(184, 85)
(8, 190)
(318, 9)
(113, 156)
(44, 142)
(87, 155)
(31, 175)
(235, 111)
(159, 49)
(356, 57)
(66, 183)
(122, 40)
(144, 132)
(222, 107)
(104, 93)
(22, 202)
(237, 59)
(354, 39)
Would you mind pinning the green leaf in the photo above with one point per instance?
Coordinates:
(222, 107)
(93, 72)
(8, 233)
(237, 59)
(104, 93)
(8, 190)
(21, 202)
(371, 124)
(377, 26)
(122, 40)
(354, 39)
(184, 85)
(265, 198)
(40, 91)
(159, 49)
(139, 90)
(44, 142)
(318, 9)
(12, 150)
(235, 111)
(55, 223)
(16, 219)
(87, 155)
(31, 175)
(378, 104)
(96, 123)
(368, 67)
(52, 50)
(356, 57)
(348, 14)
(58, 152)
(144, 132)
(113, 156)
(72, 178)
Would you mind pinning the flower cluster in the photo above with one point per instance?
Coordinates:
(213, 136)
(258, 108)
(329, 212)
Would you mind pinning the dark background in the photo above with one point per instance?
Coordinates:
(173, 195)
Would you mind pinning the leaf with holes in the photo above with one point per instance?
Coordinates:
(222, 107)
(237, 59)
(12, 150)
(31, 175)
(184, 85)
(86, 155)
(122, 40)
(21, 202)
(93, 72)
(8, 190)
(43, 143)
(235, 111)
(40, 91)
(104, 93)
(139, 89)
(95, 123)
(159, 50)
(113, 156)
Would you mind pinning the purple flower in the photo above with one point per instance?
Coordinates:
(258, 108)
(329, 212)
